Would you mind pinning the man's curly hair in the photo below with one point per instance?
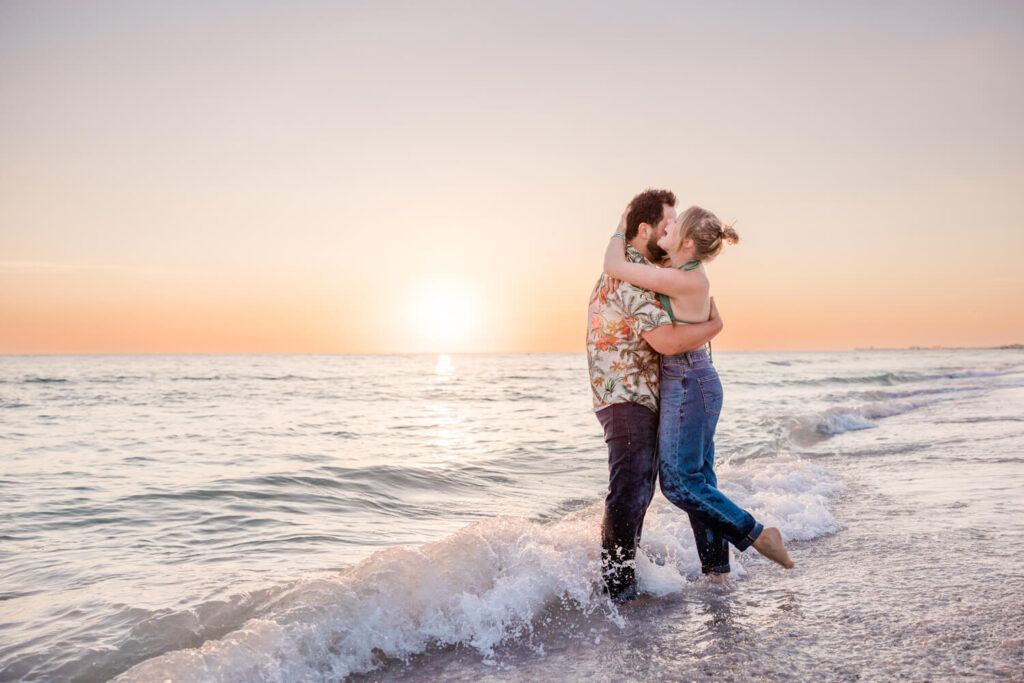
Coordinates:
(647, 207)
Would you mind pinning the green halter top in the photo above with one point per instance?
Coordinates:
(667, 303)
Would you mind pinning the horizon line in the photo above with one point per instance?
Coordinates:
(1001, 347)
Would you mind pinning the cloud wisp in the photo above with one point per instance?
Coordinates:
(53, 267)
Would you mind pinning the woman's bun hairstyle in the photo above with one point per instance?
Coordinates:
(707, 232)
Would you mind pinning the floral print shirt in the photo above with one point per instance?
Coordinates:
(623, 367)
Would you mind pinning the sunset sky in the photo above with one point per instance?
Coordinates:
(252, 176)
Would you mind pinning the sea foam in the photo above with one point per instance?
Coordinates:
(483, 587)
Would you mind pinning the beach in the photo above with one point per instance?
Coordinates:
(436, 517)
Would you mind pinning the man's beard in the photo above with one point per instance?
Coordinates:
(657, 253)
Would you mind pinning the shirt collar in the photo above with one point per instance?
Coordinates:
(633, 255)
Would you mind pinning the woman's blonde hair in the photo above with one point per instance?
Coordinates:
(706, 231)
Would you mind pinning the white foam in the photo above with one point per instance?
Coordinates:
(783, 492)
(837, 423)
(806, 431)
(481, 587)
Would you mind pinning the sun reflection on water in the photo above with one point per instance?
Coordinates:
(449, 436)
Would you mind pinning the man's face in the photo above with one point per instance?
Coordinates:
(668, 216)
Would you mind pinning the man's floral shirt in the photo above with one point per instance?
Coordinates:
(623, 367)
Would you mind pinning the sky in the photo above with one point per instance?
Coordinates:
(331, 177)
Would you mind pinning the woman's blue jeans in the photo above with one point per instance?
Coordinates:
(691, 400)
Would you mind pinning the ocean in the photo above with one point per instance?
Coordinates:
(425, 517)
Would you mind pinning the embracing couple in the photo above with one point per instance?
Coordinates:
(650, 316)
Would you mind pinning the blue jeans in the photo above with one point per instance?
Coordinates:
(691, 400)
(631, 432)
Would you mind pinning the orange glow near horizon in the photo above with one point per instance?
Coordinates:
(206, 325)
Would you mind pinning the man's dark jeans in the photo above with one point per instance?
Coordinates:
(631, 432)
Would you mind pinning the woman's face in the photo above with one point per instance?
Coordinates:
(670, 240)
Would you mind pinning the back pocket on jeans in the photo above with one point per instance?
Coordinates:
(711, 392)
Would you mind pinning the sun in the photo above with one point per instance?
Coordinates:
(444, 317)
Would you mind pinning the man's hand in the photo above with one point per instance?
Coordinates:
(714, 311)
(672, 339)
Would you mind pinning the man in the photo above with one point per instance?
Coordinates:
(628, 328)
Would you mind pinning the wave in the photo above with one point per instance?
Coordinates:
(889, 378)
(777, 435)
(248, 377)
(879, 403)
(809, 430)
(491, 584)
(885, 378)
(889, 394)
(980, 419)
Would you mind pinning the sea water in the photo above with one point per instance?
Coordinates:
(311, 518)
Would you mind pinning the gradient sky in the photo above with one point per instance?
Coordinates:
(443, 176)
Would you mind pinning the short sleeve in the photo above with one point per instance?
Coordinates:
(641, 308)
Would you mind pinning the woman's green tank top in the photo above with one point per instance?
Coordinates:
(667, 303)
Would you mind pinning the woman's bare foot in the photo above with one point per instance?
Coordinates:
(769, 543)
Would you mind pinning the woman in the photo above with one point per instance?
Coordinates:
(691, 393)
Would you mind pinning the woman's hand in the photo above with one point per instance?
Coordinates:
(616, 252)
(622, 221)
